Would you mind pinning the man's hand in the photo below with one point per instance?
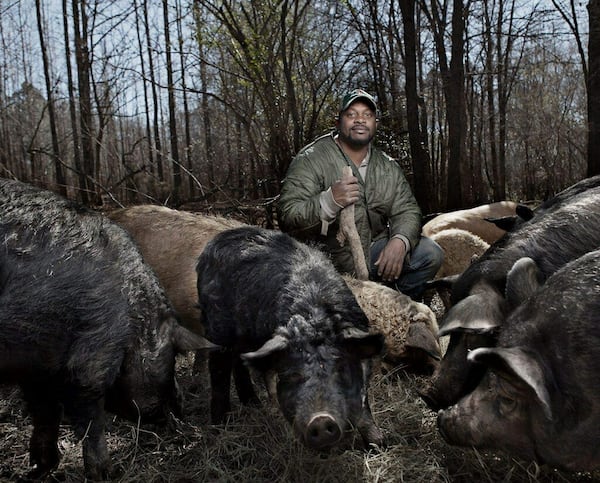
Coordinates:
(390, 261)
(345, 191)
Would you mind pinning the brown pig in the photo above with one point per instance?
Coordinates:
(409, 327)
(473, 220)
(171, 241)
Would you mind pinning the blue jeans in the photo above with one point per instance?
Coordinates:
(422, 265)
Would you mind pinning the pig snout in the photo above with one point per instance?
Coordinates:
(458, 426)
(322, 431)
(450, 427)
(454, 378)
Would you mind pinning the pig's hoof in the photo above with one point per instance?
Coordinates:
(373, 438)
(35, 474)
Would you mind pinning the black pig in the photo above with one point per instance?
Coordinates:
(84, 325)
(540, 397)
(561, 230)
(282, 307)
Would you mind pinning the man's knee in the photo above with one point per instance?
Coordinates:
(431, 253)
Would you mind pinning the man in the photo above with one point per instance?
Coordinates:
(387, 216)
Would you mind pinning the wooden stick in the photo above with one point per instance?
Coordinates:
(349, 232)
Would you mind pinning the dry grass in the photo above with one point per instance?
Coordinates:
(257, 445)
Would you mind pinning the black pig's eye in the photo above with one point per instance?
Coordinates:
(293, 378)
(506, 405)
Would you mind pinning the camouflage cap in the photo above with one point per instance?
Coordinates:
(355, 95)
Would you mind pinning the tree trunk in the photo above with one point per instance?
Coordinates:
(156, 124)
(150, 154)
(58, 169)
(453, 79)
(82, 58)
(458, 169)
(420, 157)
(209, 154)
(173, 136)
(490, 80)
(186, 109)
(72, 104)
(593, 89)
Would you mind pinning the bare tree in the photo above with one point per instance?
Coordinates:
(140, 46)
(593, 89)
(185, 102)
(282, 89)
(173, 135)
(420, 156)
(155, 98)
(459, 180)
(209, 153)
(86, 120)
(58, 169)
(72, 101)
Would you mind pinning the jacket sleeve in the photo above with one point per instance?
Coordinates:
(298, 207)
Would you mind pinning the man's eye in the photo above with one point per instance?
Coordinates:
(356, 115)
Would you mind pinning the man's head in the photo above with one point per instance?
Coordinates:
(357, 120)
(355, 95)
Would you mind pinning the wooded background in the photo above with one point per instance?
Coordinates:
(206, 102)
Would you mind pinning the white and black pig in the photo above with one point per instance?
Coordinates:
(540, 396)
(282, 307)
(562, 229)
(84, 325)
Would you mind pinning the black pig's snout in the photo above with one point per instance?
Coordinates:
(322, 431)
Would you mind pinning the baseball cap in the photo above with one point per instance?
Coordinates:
(355, 95)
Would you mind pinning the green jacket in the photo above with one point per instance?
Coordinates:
(386, 207)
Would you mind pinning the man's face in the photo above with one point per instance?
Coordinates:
(357, 124)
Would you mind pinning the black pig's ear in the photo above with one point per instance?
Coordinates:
(506, 223)
(364, 344)
(524, 212)
(519, 366)
(522, 281)
(273, 346)
(185, 340)
(480, 313)
(443, 282)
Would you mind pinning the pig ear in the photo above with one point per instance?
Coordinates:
(365, 344)
(420, 336)
(185, 340)
(522, 281)
(524, 212)
(442, 282)
(276, 344)
(519, 364)
(506, 223)
(481, 312)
